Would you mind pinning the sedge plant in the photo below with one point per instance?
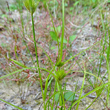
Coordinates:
(57, 72)
(60, 74)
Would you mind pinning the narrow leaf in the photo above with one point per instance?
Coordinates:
(18, 63)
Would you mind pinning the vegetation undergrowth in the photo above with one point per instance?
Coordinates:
(59, 67)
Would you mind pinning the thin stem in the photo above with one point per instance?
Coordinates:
(61, 98)
(54, 93)
(36, 52)
(63, 25)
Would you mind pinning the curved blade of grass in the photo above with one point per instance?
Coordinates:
(18, 63)
(25, 69)
(81, 52)
(11, 104)
(86, 73)
(13, 73)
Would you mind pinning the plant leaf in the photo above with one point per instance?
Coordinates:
(58, 29)
(64, 40)
(53, 35)
(57, 96)
(18, 63)
(76, 3)
(71, 38)
(69, 96)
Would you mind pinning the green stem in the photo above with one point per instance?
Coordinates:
(54, 93)
(36, 53)
(61, 98)
(63, 25)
